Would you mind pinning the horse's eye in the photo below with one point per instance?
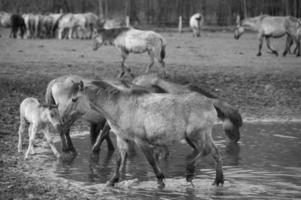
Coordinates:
(52, 115)
(74, 99)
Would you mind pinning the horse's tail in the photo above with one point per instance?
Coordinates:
(231, 118)
(163, 47)
(48, 96)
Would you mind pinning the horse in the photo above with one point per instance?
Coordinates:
(58, 92)
(93, 22)
(152, 120)
(130, 40)
(230, 116)
(17, 23)
(196, 21)
(71, 23)
(29, 20)
(40, 117)
(270, 27)
(5, 19)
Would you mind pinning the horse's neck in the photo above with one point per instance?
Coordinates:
(171, 87)
(252, 24)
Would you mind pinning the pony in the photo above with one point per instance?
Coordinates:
(39, 117)
(59, 92)
(5, 19)
(270, 27)
(130, 40)
(152, 120)
(93, 22)
(29, 20)
(230, 116)
(196, 21)
(17, 24)
(71, 23)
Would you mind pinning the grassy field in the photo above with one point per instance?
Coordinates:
(262, 88)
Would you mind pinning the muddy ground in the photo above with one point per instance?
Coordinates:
(262, 88)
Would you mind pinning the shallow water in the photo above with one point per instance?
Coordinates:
(265, 164)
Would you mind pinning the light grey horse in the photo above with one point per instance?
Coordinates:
(130, 40)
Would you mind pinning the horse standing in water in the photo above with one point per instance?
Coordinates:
(59, 92)
(196, 22)
(39, 117)
(152, 120)
(231, 118)
(270, 27)
(130, 40)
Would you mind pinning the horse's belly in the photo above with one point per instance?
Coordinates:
(161, 128)
(93, 117)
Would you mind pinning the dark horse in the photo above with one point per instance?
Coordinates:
(17, 23)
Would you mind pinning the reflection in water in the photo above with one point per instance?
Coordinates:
(232, 153)
(265, 164)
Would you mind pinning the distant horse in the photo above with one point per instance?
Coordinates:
(17, 24)
(270, 27)
(93, 22)
(152, 120)
(29, 20)
(130, 40)
(39, 117)
(231, 118)
(5, 19)
(196, 22)
(59, 92)
(72, 23)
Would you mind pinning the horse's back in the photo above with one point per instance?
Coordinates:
(29, 108)
(171, 115)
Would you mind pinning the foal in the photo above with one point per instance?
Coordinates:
(39, 117)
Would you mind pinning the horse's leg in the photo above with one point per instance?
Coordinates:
(123, 147)
(31, 139)
(268, 42)
(289, 42)
(69, 141)
(104, 135)
(219, 177)
(50, 142)
(63, 140)
(21, 132)
(124, 55)
(298, 46)
(152, 60)
(260, 38)
(149, 154)
(94, 131)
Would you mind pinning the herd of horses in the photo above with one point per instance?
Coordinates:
(148, 111)
(62, 26)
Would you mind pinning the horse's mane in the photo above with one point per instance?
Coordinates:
(113, 91)
(112, 33)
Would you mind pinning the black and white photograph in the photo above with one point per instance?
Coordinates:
(150, 99)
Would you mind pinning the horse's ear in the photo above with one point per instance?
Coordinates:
(238, 20)
(81, 85)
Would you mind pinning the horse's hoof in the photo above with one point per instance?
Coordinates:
(219, 180)
(276, 53)
(259, 54)
(161, 185)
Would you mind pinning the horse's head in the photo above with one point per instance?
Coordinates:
(238, 31)
(79, 101)
(98, 40)
(53, 115)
